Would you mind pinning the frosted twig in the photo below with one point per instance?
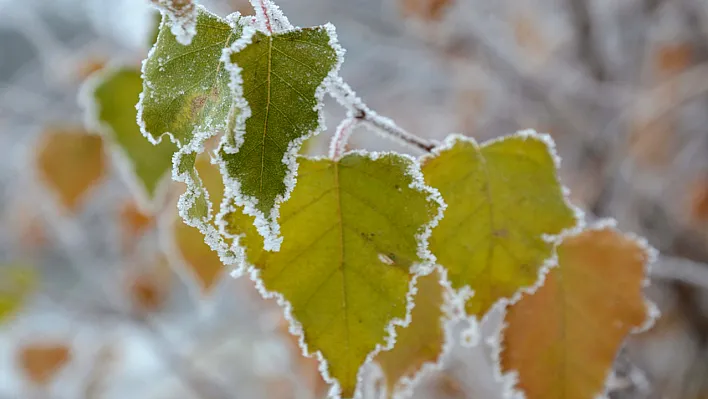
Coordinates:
(341, 136)
(369, 118)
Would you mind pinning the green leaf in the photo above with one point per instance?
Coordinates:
(110, 98)
(503, 197)
(186, 88)
(354, 237)
(283, 77)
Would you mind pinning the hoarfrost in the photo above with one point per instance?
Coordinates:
(183, 17)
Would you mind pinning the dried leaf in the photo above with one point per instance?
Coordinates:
(562, 339)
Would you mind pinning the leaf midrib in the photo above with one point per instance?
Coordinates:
(267, 110)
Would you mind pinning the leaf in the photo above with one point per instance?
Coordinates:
(149, 286)
(183, 18)
(17, 282)
(110, 98)
(70, 162)
(283, 77)
(502, 197)
(562, 339)
(419, 344)
(41, 361)
(186, 87)
(200, 260)
(354, 233)
(203, 260)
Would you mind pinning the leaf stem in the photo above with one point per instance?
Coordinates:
(386, 127)
(341, 136)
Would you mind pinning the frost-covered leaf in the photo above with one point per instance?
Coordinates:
(183, 16)
(17, 282)
(41, 361)
(110, 98)
(186, 88)
(419, 344)
(562, 339)
(282, 78)
(203, 261)
(503, 196)
(353, 238)
(70, 162)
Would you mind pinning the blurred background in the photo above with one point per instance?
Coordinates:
(109, 302)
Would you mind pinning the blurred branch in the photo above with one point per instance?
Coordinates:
(680, 269)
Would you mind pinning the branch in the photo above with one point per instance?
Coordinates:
(369, 118)
(680, 269)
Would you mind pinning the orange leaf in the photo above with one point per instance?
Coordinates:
(699, 201)
(42, 360)
(430, 10)
(201, 261)
(70, 162)
(673, 58)
(422, 341)
(133, 224)
(562, 339)
(149, 287)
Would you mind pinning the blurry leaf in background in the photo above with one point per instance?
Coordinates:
(562, 339)
(133, 223)
(201, 261)
(427, 10)
(186, 89)
(699, 201)
(89, 66)
(70, 162)
(41, 361)
(281, 75)
(17, 283)
(114, 95)
(502, 197)
(350, 233)
(422, 341)
(308, 368)
(149, 285)
(673, 58)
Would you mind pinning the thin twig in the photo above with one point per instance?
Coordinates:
(341, 136)
(369, 118)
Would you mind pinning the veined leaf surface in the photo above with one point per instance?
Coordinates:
(352, 242)
(503, 197)
(281, 76)
(186, 88)
(562, 339)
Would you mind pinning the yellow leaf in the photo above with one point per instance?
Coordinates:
(419, 344)
(16, 283)
(502, 197)
(352, 242)
(70, 162)
(562, 339)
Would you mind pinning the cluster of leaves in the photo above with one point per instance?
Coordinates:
(371, 255)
